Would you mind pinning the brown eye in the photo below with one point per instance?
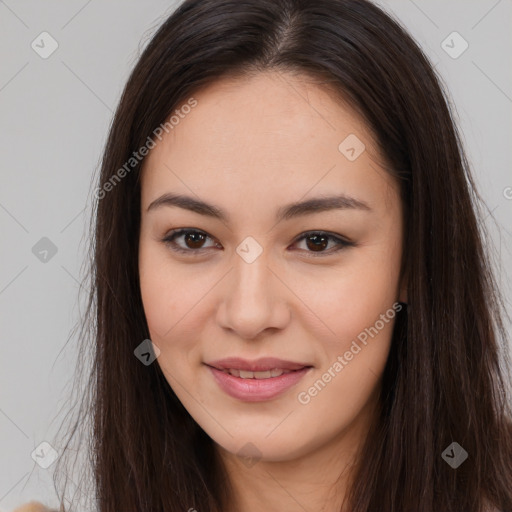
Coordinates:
(193, 240)
(317, 242)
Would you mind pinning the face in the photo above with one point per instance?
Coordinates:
(246, 265)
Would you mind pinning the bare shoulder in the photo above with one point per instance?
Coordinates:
(32, 506)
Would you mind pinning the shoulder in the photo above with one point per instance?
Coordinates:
(32, 506)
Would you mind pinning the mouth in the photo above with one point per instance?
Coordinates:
(246, 374)
(263, 368)
(253, 381)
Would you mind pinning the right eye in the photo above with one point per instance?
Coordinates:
(193, 240)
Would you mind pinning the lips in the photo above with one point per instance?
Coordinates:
(255, 381)
(264, 364)
(246, 374)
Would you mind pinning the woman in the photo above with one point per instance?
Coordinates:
(287, 241)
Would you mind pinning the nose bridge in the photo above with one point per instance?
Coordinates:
(251, 302)
(251, 280)
(251, 275)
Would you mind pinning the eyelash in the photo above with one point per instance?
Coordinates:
(172, 235)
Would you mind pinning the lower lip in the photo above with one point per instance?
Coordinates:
(256, 390)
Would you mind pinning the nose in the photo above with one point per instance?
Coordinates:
(253, 300)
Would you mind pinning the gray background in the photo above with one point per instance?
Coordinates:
(55, 114)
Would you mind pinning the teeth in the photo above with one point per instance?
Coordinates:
(244, 374)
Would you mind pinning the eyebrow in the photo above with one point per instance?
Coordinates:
(315, 205)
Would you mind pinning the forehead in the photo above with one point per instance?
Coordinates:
(263, 138)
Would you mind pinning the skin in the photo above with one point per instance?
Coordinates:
(250, 146)
(33, 506)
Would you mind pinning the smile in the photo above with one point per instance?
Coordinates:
(256, 386)
(246, 374)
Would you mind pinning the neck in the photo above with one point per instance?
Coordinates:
(317, 480)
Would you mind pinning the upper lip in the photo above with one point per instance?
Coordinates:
(258, 365)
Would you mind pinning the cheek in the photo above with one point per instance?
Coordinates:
(174, 298)
(164, 293)
(344, 301)
(165, 300)
(357, 307)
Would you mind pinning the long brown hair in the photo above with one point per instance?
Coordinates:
(445, 380)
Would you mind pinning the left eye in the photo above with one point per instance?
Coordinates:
(316, 241)
(319, 240)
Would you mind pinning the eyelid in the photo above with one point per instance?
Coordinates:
(342, 242)
(168, 239)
